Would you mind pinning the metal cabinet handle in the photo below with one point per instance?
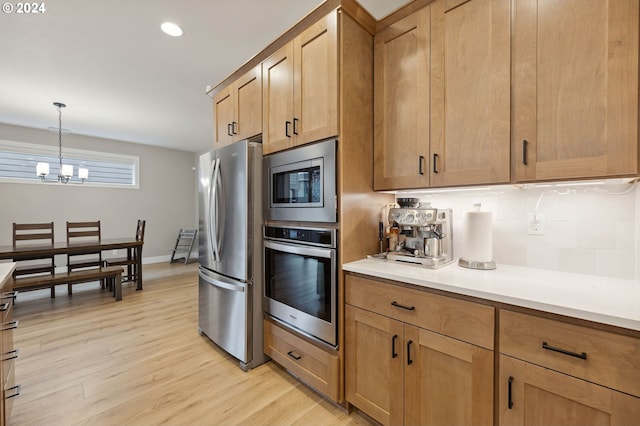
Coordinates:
(394, 354)
(420, 164)
(524, 152)
(509, 395)
(16, 390)
(234, 124)
(397, 305)
(582, 355)
(10, 325)
(435, 163)
(294, 355)
(287, 124)
(229, 129)
(409, 360)
(9, 295)
(8, 356)
(295, 126)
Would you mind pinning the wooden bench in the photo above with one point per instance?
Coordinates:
(113, 273)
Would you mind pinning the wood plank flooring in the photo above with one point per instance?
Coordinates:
(87, 359)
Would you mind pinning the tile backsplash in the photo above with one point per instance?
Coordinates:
(591, 229)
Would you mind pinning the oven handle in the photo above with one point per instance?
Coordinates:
(326, 253)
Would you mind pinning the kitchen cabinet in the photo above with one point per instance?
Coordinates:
(470, 92)
(300, 91)
(238, 109)
(442, 96)
(405, 360)
(8, 353)
(575, 89)
(401, 103)
(555, 372)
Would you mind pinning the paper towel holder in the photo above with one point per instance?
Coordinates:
(474, 264)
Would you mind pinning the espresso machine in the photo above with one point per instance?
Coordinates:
(424, 236)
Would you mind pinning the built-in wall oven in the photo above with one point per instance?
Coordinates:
(300, 279)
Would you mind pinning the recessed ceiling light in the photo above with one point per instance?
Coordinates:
(171, 29)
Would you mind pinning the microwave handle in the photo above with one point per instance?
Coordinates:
(214, 211)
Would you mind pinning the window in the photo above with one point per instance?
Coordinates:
(18, 165)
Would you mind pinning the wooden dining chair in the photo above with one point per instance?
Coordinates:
(34, 234)
(81, 232)
(131, 261)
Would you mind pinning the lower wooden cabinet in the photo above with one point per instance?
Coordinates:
(534, 395)
(555, 372)
(399, 373)
(315, 366)
(8, 353)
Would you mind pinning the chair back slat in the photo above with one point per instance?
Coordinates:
(33, 232)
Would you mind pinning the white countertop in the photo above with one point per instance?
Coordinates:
(6, 269)
(601, 299)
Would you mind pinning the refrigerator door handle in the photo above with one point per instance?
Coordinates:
(218, 283)
(214, 211)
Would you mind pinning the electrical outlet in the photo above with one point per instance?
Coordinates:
(536, 224)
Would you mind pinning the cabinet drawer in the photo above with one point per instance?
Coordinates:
(313, 365)
(467, 321)
(597, 356)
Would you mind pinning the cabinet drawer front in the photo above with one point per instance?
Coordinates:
(598, 356)
(315, 366)
(467, 321)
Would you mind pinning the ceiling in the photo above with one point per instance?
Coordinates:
(121, 77)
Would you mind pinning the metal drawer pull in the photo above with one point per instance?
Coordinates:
(8, 356)
(582, 355)
(510, 399)
(397, 305)
(10, 325)
(294, 356)
(394, 354)
(10, 294)
(4, 307)
(13, 388)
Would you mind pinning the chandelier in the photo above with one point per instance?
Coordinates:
(65, 171)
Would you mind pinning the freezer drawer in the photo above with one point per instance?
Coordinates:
(225, 313)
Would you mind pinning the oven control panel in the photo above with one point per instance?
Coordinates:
(314, 236)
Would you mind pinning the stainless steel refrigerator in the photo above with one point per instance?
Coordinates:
(230, 273)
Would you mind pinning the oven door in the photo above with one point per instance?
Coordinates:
(300, 288)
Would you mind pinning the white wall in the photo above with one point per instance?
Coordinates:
(588, 229)
(165, 199)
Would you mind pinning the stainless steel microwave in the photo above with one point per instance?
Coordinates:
(300, 184)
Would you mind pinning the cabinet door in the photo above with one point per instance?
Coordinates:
(575, 88)
(316, 82)
(531, 395)
(223, 116)
(373, 364)
(277, 100)
(470, 92)
(247, 91)
(401, 103)
(447, 381)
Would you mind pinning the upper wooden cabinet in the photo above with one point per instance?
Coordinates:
(300, 91)
(575, 89)
(470, 92)
(401, 103)
(442, 96)
(238, 109)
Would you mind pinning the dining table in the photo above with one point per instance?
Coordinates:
(32, 251)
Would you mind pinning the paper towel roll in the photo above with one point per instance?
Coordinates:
(477, 243)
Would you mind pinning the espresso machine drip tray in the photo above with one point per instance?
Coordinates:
(429, 262)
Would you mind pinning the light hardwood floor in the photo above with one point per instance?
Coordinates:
(87, 359)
